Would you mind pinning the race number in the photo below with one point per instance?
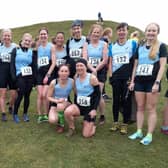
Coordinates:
(94, 61)
(121, 59)
(5, 57)
(75, 53)
(43, 61)
(27, 70)
(60, 62)
(144, 70)
(83, 101)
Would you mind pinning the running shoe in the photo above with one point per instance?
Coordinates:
(25, 118)
(115, 126)
(135, 135)
(16, 118)
(146, 140)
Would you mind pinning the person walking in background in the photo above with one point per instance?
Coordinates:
(58, 94)
(120, 69)
(6, 48)
(87, 97)
(46, 61)
(149, 66)
(95, 52)
(74, 45)
(22, 68)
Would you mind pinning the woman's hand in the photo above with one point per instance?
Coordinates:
(45, 80)
(131, 86)
(92, 113)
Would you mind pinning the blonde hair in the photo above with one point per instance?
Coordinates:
(107, 31)
(96, 26)
(5, 30)
(156, 44)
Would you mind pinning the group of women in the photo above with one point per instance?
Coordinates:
(81, 66)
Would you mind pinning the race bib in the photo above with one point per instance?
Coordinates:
(27, 70)
(121, 59)
(83, 101)
(144, 70)
(75, 53)
(60, 62)
(43, 61)
(6, 57)
(94, 61)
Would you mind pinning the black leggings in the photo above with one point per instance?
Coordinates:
(120, 102)
(24, 87)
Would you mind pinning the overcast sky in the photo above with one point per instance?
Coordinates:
(138, 13)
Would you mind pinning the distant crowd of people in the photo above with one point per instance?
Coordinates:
(79, 68)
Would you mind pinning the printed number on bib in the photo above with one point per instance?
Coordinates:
(43, 61)
(5, 57)
(94, 61)
(60, 62)
(121, 59)
(144, 70)
(27, 70)
(75, 53)
(83, 101)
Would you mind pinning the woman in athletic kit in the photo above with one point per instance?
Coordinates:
(6, 48)
(58, 95)
(74, 45)
(96, 53)
(61, 52)
(149, 66)
(45, 67)
(87, 97)
(22, 68)
(120, 69)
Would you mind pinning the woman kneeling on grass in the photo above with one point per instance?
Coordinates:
(58, 93)
(87, 97)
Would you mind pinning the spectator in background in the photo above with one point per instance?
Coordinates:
(135, 36)
(149, 66)
(164, 127)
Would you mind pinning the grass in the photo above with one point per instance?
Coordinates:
(32, 145)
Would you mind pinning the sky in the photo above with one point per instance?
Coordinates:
(137, 13)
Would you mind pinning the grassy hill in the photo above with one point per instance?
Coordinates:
(64, 26)
(32, 145)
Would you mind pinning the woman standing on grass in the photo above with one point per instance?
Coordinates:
(46, 63)
(58, 94)
(74, 45)
(120, 69)
(60, 50)
(149, 66)
(96, 52)
(87, 97)
(22, 68)
(6, 48)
